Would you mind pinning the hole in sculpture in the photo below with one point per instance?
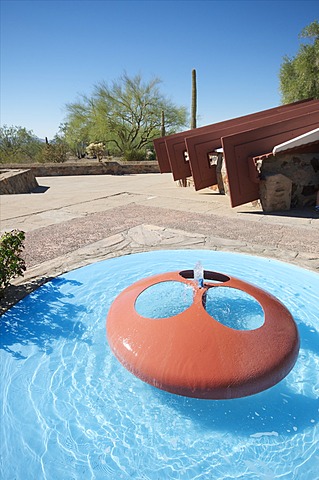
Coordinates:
(164, 300)
(234, 308)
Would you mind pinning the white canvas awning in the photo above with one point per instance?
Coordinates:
(301, 141)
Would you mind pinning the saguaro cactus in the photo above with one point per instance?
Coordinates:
(183, 181)
(163, 124)
(194, 99)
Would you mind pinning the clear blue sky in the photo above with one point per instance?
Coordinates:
(52, 51)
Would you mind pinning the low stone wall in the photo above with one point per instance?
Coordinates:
(86, 168)
(17, 181)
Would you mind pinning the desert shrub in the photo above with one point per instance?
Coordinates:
(11, 263)
(18, 145)
(135, 155)
(52, 153)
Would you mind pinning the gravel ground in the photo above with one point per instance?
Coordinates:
(65, 237)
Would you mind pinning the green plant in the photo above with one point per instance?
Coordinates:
(299, 75)
(18, 145)
(11, 263)
(125, 115)
(135, 155)
(52, 153)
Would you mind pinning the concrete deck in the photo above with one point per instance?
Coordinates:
(73, 221)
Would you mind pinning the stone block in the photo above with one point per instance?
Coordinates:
(303, 171)
(17, 181)
(275, 192)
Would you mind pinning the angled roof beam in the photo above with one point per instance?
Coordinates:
(170, 150)
(239, 150)
(199, 147)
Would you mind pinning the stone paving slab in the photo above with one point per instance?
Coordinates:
(151, 237)
(60, 238)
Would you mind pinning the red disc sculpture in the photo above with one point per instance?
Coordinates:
(194, 355)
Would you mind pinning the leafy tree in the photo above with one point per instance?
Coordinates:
(125, 116)
(299, 76)
(77, 132)
(18, 145)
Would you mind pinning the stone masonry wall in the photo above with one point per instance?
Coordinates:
(303, 171)
(20, 178)
(17, 181)
(83, 168)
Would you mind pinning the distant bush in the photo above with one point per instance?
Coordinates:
(18, 145)
(52, 153)
(11, 263)
(135, 155)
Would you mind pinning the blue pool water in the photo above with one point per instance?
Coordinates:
(71, 411)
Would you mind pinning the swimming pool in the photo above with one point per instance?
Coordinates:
(71, 411)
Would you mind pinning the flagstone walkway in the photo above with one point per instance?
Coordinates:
(73, 221)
